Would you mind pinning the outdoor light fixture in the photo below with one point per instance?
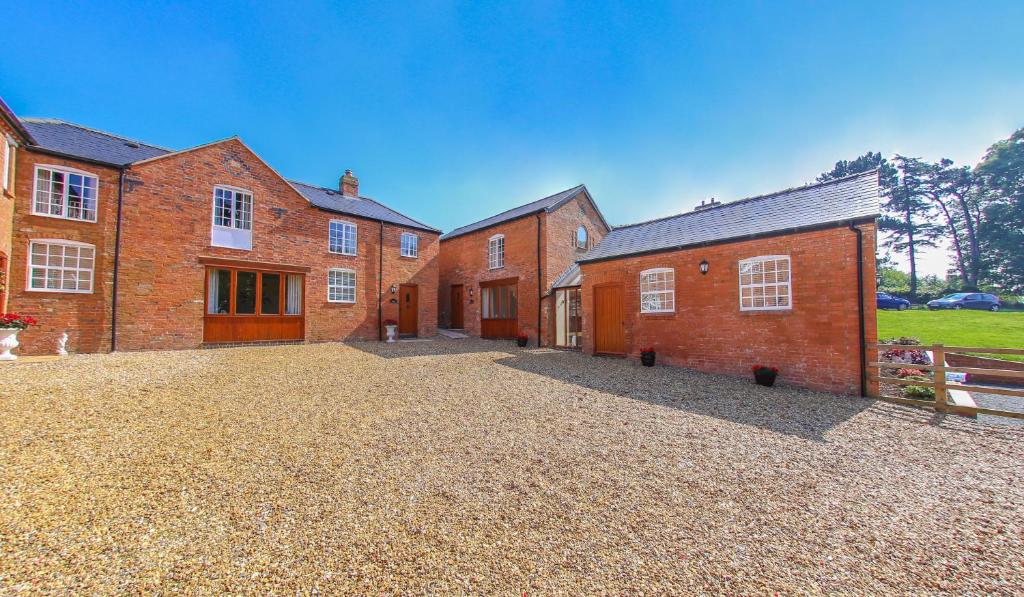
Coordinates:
(394, 289)
(470, 293)
(704, 266)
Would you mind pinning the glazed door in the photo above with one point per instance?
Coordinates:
(457, 321)
(253, 306)
(499, 310)
(408, 310)
(609, 328)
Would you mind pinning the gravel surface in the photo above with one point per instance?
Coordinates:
(474, 467)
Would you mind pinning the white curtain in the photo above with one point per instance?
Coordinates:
(213, 291)
(293, 295)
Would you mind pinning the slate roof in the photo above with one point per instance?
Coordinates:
(569, 278)
(841, 200)
(365, 207)
(14, 121)
(549, 204)
(86, 143)
(82, 142)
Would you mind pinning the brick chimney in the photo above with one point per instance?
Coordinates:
(349, 184)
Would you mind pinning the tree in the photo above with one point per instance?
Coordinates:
(1001, 178)
(864, 163)
(906, 214)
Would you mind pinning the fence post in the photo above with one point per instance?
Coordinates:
(939, 361)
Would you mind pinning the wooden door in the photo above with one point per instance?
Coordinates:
(609, 327)
(499, 309)
(408, 310)
(457, 321)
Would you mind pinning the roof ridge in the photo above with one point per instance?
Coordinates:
(92, 130)
(745, 200)
(364, 198)
(579, 186)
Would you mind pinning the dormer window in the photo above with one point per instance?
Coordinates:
(65, 193)
(232, 218)
(496, 252)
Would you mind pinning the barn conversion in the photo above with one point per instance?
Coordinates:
(786, 280)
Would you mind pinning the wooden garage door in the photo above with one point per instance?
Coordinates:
(499, 311)
(609, 328)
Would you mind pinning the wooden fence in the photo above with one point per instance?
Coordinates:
(942, 387)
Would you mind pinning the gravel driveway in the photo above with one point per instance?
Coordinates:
(468, 466)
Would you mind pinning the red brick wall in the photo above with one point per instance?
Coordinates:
(167, 227)
(86, 317)
(464, 261)
(6, 209)
(816, 344)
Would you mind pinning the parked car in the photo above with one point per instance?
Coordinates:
(888, 301)
(967, 300)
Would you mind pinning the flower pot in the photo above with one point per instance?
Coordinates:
(765, 378)
(8, 342)
(392, 330)
(521, 341)
(647, 358)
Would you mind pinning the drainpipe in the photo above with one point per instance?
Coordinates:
(860, 308)
(380, 287)
(540, 289)
(117, 261)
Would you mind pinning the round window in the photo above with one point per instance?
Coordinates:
(581, 237)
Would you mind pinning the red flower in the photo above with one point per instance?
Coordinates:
(647, 349)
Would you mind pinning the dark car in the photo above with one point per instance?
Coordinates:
(888, 301)
(967, 300)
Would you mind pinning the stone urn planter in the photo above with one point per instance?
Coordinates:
(8, 342)
(391, 327)
(10, 325)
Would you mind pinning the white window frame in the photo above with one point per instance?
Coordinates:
(340, 288)
(576, 237)
(341, 238)
(496, 252)
(9, 156)
(63, 243)
(64, 194)
(764, 285)
(412, 248)
(237, 235)
(670, 292)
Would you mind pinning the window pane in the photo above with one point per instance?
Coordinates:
(270, 302)
(243, 211)
(245, 293)
(219, 292)
(293, 294)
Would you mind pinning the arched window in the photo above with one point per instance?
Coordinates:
(581, 237)
(496, 252)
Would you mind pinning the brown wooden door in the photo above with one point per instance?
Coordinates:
(609, 328)
(408, 309)
(457, 321)
(499, 309)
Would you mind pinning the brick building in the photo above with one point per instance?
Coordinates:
(130, 246)
(496, 276)
(12, 136)
(785, 280)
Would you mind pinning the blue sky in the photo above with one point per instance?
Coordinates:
(451, 112)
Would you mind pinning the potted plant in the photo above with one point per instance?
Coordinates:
(765, 375)
(647, 355)
(522, 339)
(392, 328)
(10, 325)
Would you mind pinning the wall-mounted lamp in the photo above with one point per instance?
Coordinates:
(394, 289)
(704, 266)
(470, 293)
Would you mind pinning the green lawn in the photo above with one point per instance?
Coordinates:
(1004, 329)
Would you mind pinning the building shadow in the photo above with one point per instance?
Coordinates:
(792, 411)
(436, 346)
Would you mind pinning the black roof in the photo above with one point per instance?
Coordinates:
(365, 207)
(83, 142)
(77, 141)
(549, 204)
(847, 199)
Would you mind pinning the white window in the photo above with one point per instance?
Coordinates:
(341, 286)
(8, 161)
(342, 238)
(410, 245)
(60, 266)
(658, 290)
(580, 237)
(765, 283)
(232, 218)
(65, 193)
(496, 252)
